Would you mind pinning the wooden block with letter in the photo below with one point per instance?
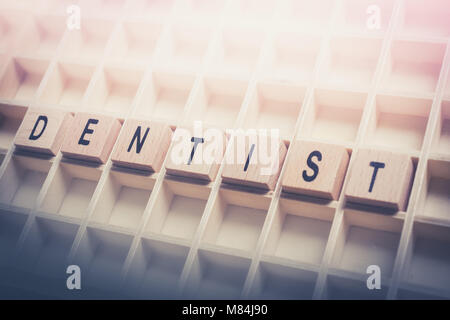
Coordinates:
(43, 130)
(142, 145)
(91, 137)
(315, 169)
(196, 152)
(256, 161)
(380, 178)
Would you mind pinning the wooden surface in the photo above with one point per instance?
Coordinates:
(142, 145)
(391, 184)
(315, 169)
(91, 137)
(256, 173)
(43, 130)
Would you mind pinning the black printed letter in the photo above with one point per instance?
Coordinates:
(139, 143)
(312, 165)
(376, 166)
(87, 131)
(34, 136)
(249, 157)
(196, 141)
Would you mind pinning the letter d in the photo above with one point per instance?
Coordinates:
(33, 135)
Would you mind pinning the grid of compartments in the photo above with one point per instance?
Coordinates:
(322, 75)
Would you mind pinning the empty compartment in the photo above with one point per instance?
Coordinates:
(435, 200)
(309, 15)
(251, 10)
(11, 226)
(109, 8)
(207, 9)
(371, 16)
(135, 41)
(408, 292)
(123, 199)
(420, 18)
(398, 122)
(71, 190)
(58, 7)
(22, 180)
(236, 220)
(334, 116)
(3, 60)
(178, 209)
(238, 51)
(366, 239)
(22, 78)
(11, 26)
(350, 62)
(42, 36)
(413, 66)
(11, 117)
(101, 255)
(217, 276)
(88, 42)
(292, 57)
(441, 143)
(341, 287)
(115, 89)
(427, 264)
(447, 87)
(146, 7)
(67, 85)
(299, 231)
(185, 46)
(275, 106)
(218, 101)
(44, 255)
(156, 269)
(13, 5)
(165, 96)
(279, 282)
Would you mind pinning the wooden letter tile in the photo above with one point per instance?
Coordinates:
(254, 161)
(142, 145)
(43, 130)
(380, 178)
(196, 152)
(91, 137)
(315, 169)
